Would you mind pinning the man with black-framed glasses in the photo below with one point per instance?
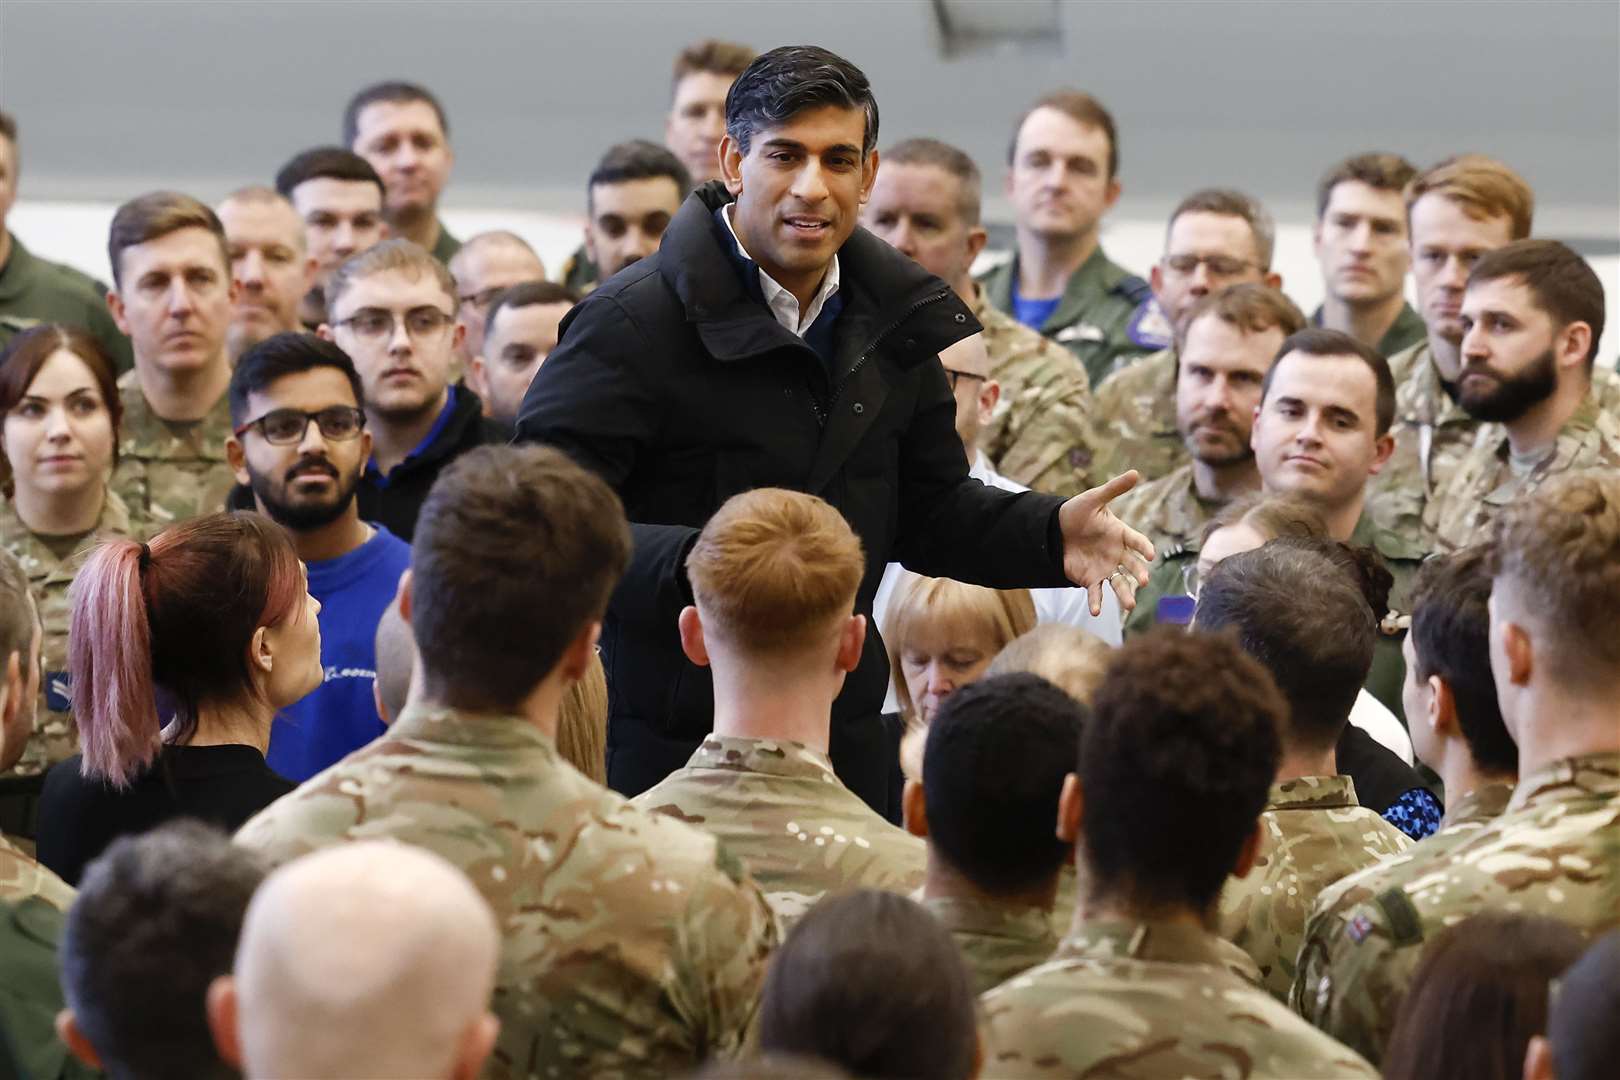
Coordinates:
(392, 309)
(299, 446)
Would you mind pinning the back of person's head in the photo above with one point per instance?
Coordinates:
(639, 159)
(993, 768)
(869, 980)
(19, 659)
(1451, 641)
(541, 542)
(393, 92)
(582, 723)
(371, 959)
(1302, 617)
(155, 922)
(1478, 996)
(1582, 1040)
(182, 613)
(1361, 565)
(396, 656)
(1176, 762)
(775, 572)
(1071, 659)
(784, 82)
(157, 214)
(287, 353)
(1560, 282)
(1482, 186)
(326, 163)
(397, 256)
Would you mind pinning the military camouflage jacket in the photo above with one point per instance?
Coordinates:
(22, 876)
(633, 945)
(1169, 511)
(168, 473)
(1136, 417)
(1554, 851)
(1312, 834)
(996, 940)
(1103, 317)
(1151, 1000)
(55, 735)
(778, 806)
(1041, 433)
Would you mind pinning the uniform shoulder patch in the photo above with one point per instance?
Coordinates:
(1358, 928)
(1149, 326)
(1134, 288)
(1405, 925)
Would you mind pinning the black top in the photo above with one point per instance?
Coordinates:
(222, 785)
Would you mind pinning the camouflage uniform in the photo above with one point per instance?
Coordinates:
(1407, 330)
(1554, 851)
(21, 876)
(168, 473)
(633, 945)
(778, 806)
(1041, 433)
(997, 941)
(1169, 511)
(1136, 415)
(55, 735)
(1313, 833)
(1485, 480)
(1105, 316)
(1150, 1000)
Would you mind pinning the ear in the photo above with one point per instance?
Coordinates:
(458, 335)
(477, 1043)
(1156, 279)
(235, 290)
(324, 332)
(1382, 448)
(1071, 809)
(869, 176)
(1316, 238)
(1273, 280)
(476, 380)
(977, 237)
(311, 268)
(236, 458)
(260, 653)
(851, 643)
(365, 446)
(1441, 712)
(115, 304)
(377, 700)
(1112, 193)
(989, 394)
(1574, 341)
(731, 159)
(914, 809)
(577, 657)
(221, 1009)
(1249, 852)
(692, 643)
(590, 243)
(1519, 649)
(67, 1029)
(1538, 1059)
(404, 595)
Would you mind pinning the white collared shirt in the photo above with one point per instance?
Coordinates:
(783, 304)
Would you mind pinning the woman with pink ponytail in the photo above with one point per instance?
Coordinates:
(181, 651)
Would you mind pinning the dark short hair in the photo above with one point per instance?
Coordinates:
(1248, 306)
(639, 159)
(870, 981)
(1478, 995)
(540, 541)
(784, 82)
(947, 158)
(1580, 1017)
(1563, 284)
(1362, 565)
(528, 294)
(993, 769)
(326, 163)
(1080, 107)
(1316, 341)
(157, 214)
(155, 922)
(288, 353)
(1379, 171)
(1451, 638)
(1306, 621)
(1176, 763)
(1228, 202)
(395, 92)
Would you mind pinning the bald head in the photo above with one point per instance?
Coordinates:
(371, 959)
(967, 368)
(486, 264)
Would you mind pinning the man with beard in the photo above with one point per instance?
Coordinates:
(1531, 315)
(300, 442)
(269, 264)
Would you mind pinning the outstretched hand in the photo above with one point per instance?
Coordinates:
(1099, 548)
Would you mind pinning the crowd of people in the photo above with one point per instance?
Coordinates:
(765, 647)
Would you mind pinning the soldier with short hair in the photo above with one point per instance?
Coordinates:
(512, 565)
(1360, 240)
(402, 129)
(702, 74)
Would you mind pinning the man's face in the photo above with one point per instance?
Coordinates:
(627, 221)
(1218, 387)
(1508, 360)
(697, 121)
(341, 218)
(1058, 182)
(1315, 433)
(8, 178)
(175, 300)
(1204, 253)
(403, 373)
(311, 482)
(1361, 243)
(272, 274)
(799, 189)
(1446, 243)
(514, 351)
(967, 369)
(481, 274)
(915, 209)
(405, 144)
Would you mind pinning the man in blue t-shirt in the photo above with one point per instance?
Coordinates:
(299, 447)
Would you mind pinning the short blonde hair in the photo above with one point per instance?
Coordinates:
(582, 723)
(999, 614)
(773, 568)
(1482, 186)
(398, 255)
(1066, 656)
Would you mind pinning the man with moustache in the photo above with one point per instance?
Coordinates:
(339, 199)
(1532, 315)
(300, 443)
(269, 264)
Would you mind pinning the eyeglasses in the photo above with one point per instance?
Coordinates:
(952, 375)
(483, 297)
(1219, 265)
(422, 322)
(284, 427)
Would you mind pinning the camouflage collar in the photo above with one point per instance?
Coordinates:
(1421, 400)
(1312, 793)
(1568, 778)
(985, 918)
(144, 434)
(39, 562)
(465, 727)
(1566, 448)
(1389, 544)
(772, 757)
(1165, 942)
(1477, 806)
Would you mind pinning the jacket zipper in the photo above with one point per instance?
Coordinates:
(860, 361)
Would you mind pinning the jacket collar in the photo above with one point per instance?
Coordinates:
(1164, 942)
(1568, 779)
(771, 757)
(1312, 793)
(1477, 806)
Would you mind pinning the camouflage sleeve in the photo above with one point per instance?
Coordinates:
(1043, 435)
(1351, 976)
(726, 939)
(299, 823)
